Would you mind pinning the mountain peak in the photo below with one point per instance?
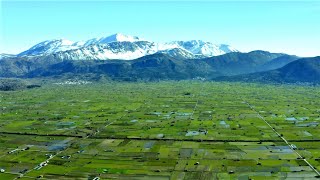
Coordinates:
(121, 37)
(118, 37)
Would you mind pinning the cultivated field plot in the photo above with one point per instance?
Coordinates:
(165, 130)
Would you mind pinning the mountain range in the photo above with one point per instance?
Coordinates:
(129, 58)
(124, 47)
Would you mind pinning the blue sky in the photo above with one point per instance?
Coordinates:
(278, 26)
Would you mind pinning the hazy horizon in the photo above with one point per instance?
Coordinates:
(279, 26)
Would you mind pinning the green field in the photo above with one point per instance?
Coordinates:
(164, 130)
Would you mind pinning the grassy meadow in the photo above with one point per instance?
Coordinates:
(160, 130)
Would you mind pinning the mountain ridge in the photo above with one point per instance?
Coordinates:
(114, 47)
(304, 70)
(228, 64)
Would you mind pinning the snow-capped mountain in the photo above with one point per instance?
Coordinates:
(49, 47)
(124, 47)
(201, 48)
(114, 50)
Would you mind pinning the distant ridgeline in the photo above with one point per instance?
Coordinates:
(255, 66)
(305, 70)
